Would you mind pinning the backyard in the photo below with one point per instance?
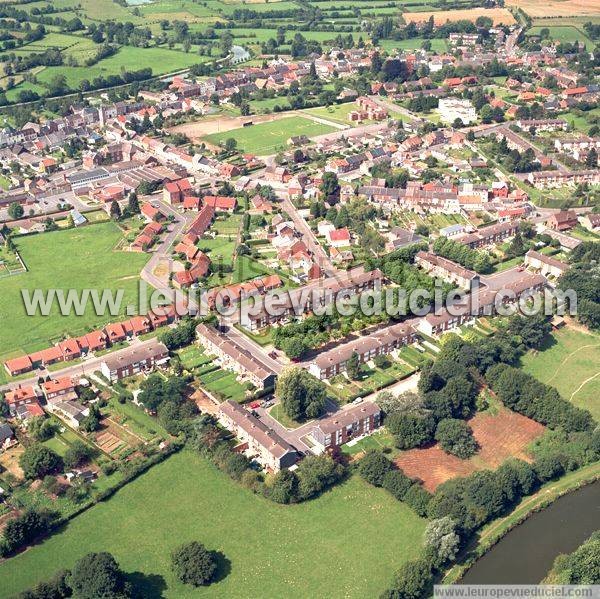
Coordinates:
(273, 550)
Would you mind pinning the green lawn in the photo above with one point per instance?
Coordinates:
(267, 138)
(345, 544)
(570, 362)
(72, 259)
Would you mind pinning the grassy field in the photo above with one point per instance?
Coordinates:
(315, 549)
(267, 138)
(72, 259)
(565, 34)
(570, 362)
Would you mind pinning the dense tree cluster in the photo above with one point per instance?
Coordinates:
(313, 475)
(459, 252)
(38, 460)
(526, 395)
(379, 471)
(25, 528)
(302, 395)
(580, 567)
(167, 398)
(456, 437)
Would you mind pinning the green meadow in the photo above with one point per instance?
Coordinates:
(345, 544)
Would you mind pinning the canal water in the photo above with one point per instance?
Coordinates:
(526, 553)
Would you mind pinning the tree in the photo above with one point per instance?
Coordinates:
(373, 467)
(15, 210)
(353, 366)
(397, 483)
(57, 85)
(133, 203)
(91, 422)
(78, 453)
(98, 575)
(592, 159)
(455, 437)
(24, 528)
(316, 473)
(41, 428)
(442, 537)
(412, 581)
(38, 460)
(230, 145)
(193, 564)
(115, 210)
(330, 187)
(284, 488)
(302, 395)
(410, 429)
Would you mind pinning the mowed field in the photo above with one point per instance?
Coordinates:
(267, 138)
(570, 361)
(345, 544)
(498, 15)
(557, 8)
(499, 435)
(71, 259)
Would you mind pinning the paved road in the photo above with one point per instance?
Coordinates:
(309, 238)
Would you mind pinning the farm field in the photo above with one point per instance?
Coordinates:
(71, 259)
(267, 138)
(570, 361)
(500, 435)
(498, 15)
(556, 8)
(271, 548)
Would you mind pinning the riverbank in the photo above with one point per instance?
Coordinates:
(496, 530)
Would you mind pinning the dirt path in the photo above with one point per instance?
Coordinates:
(559, 370)
(588, 380)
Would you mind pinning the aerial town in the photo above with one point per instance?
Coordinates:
(293, 279)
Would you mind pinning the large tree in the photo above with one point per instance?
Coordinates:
(38, 460)
(455, 437)
(97, 575)
(302, 395)
(193, 564)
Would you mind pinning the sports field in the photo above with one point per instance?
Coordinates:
(345, 544)
(570, 361)
(268, 138)
(71, 259)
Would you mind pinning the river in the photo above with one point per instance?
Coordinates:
(526, 553)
